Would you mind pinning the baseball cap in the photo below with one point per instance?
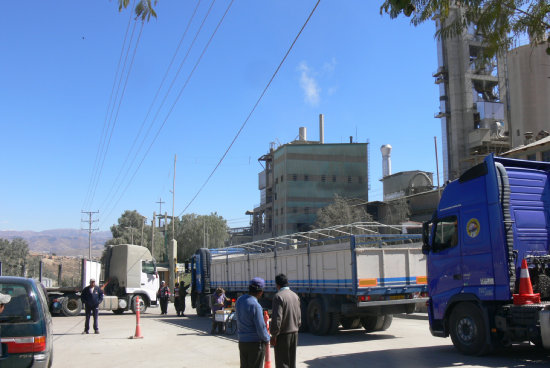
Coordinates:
(257, 283)
(92, 280)
(4, 298)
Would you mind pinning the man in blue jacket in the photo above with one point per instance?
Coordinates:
(91, 297)
(251, 328)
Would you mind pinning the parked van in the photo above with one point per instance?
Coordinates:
(25, 325)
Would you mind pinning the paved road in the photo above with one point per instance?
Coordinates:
(171, 341)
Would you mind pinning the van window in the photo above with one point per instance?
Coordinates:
(22, 306)
(446, 233)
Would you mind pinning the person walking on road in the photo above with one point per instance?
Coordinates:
(251, 328)
(163, 294)
(91, 297)
(285, 323)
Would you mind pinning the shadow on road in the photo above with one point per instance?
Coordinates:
(436, 357)
(199, 326)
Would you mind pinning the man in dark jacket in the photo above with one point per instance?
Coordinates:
(285, 322)
(91, 297)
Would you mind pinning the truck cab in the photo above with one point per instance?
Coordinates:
(488, 221)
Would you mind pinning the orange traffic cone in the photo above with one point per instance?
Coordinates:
(137, 335)
(267, 362)
(525, 295)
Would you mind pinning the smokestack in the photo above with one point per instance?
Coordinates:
(303, 134)
(386, 160)
(321, 129)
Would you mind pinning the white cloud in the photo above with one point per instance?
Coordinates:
(329, 66)
(309, 85)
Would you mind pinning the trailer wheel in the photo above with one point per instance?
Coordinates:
(467, 330)
(372, 323)
(303, 309)
(350, 323)
(71, 306)
(388, 318)
(318, 319)
(142, 304)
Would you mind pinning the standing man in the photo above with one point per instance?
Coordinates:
(91, 297)
(285, 322)
(163, 294)
(251, 328)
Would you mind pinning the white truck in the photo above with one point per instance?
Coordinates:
(130, 271)
(349, 281)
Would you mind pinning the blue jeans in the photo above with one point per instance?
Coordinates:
(89, 311)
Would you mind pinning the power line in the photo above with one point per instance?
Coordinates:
(148, 113)
(101, 136)
(253, 109)
(174, 103)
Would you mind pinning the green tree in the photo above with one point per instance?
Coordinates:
(144, 8)
(341, 212)
(13, 255)
(499, 21)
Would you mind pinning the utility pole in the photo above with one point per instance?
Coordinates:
(160, 202)
(173, 248)
(144, 219)
(437, 167)
(153, 234)
(90, 230)
(131, 232)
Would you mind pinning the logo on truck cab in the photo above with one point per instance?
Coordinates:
(472, 228)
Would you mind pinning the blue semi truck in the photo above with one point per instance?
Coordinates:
(493, 217)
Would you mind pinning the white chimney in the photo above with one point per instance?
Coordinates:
(321, 129)
(386, 160)
(303, 134)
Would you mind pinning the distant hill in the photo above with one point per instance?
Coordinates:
(62, 242)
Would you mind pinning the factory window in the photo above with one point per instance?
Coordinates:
(334, 178)
(360, 179)
(294, 210)
(546, 156)
(532, 157)
(276, 180)
(349, 179)
(323, 178)
(282, 178)
(294, 177)
(306, 177)
(276, 212)
(282, 211)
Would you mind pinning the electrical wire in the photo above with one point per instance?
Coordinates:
(173, 104)
(107, 197)
(253, 109)
(101, 136)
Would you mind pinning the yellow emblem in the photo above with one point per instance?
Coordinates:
(473, 227)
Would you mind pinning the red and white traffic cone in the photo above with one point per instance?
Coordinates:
(525, 295)
(267, 362)
(137, 335)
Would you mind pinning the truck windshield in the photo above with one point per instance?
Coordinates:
(148, 267)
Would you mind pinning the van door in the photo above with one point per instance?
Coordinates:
(445, 263)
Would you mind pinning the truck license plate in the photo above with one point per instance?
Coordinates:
(396, 297)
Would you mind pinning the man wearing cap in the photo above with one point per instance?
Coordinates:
(91, 297)
(285, 323)
(251, 327)
(163, 294)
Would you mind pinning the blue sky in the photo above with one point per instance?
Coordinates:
(369, 75)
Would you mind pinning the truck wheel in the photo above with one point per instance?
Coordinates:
(372, 323)
(71, 306)
(388, 318)
(467, 330)
(334, 323)
(318, 319)
(350, 323)
(142, 304)
(303, 309)
(118, 311)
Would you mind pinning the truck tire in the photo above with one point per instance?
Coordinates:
(118, 311)
(318, 319)
(468, 330)
(303, 309)
(350, 323)
(334, 323)
(71, 306)
(142, 304)
(372, 323)
(388, 318)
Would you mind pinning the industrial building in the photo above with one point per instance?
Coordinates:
(303, 176)
(472, 100)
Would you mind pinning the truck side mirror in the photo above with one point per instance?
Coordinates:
(426, 247)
